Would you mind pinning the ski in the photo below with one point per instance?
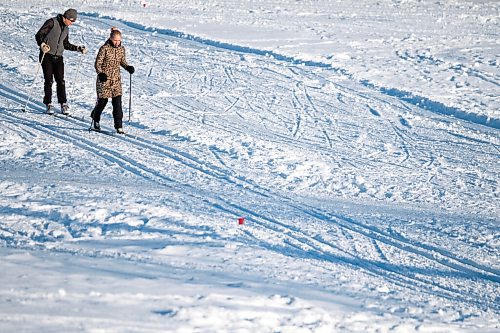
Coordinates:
(110, 133)
(69, 116)
(66, 116)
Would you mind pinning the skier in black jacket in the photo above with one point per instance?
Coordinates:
(52, 38)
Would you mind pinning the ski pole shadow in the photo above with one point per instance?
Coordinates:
(20, 98)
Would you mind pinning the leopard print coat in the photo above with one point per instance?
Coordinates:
(108, 61)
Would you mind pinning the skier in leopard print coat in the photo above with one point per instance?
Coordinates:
(107, 64)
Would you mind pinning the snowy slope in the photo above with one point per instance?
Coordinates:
(366, 209)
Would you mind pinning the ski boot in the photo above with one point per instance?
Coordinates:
(49, 109)
(64, 109)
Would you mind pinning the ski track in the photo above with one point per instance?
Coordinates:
(304, 243)
(435, 107)
(305, 128)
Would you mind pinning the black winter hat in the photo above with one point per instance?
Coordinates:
(70, 14)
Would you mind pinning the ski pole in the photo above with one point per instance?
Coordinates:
(130, 99)
(76, 75)
(33, 84)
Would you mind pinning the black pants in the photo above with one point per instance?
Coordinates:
(53, 68)
(117, 110)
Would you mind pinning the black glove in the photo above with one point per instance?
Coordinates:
(102, 77)
(130, 69)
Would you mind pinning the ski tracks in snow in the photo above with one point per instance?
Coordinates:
(352, 141)
(287, 236)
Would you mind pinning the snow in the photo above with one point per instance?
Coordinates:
(358, 140)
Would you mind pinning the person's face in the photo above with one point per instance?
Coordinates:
(116, 40)
(68, 22)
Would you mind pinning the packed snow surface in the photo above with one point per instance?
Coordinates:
(289, 166)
